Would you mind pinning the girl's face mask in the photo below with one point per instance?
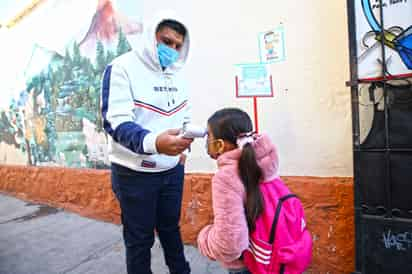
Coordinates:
(167, 55)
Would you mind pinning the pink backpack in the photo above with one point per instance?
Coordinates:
(281, 242)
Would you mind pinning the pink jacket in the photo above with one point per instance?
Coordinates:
(227, 237)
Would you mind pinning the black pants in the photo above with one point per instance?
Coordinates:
(150, 201)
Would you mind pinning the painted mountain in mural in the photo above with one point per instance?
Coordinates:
(105, 27)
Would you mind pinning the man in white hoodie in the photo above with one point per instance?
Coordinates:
(144, 104)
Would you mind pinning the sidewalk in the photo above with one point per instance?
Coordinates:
(37, 239)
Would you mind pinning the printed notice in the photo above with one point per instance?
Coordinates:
(253, 80)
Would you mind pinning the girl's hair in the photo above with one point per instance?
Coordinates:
(228, 124)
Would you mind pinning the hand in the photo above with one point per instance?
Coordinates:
(170, 143)
(182, 159)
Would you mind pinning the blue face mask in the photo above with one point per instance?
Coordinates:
(167, 55)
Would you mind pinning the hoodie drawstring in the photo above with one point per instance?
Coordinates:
(168, 83)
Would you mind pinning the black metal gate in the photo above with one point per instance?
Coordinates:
(382, 148)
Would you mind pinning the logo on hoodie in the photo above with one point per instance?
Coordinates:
(165, 89)
(148, 164)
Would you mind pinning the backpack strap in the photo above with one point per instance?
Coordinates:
(282, 269)
(275, 221)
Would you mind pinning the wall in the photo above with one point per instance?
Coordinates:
(49, 112)
(309, 115)
(308, 118)
(328, 205)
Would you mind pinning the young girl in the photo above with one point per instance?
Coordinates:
(244, 160)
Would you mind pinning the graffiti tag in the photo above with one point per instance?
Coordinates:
(401, 241)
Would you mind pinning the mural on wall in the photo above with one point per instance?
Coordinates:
(50, 109)
(397, 38)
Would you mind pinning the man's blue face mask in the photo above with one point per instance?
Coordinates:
(167, 55)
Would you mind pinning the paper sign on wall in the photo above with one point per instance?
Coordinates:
(272, 45)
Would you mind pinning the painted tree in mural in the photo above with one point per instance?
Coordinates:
(123, 45)
(7, 130)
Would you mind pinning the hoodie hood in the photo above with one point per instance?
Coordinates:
(145, 45)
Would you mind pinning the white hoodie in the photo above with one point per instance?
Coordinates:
(140, 101)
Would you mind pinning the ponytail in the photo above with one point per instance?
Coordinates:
(230, 124)
(251, 174)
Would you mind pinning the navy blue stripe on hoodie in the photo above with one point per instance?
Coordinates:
(128, 134)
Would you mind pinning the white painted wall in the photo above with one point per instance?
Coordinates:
(310, 116)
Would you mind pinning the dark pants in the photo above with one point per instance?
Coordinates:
(150, 201)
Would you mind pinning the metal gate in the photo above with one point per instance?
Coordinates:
(380, 43)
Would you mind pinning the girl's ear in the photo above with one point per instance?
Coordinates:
(220, 146)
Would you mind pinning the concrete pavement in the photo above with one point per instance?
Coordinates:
(38, 239)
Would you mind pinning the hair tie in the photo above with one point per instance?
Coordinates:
(245, 138)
